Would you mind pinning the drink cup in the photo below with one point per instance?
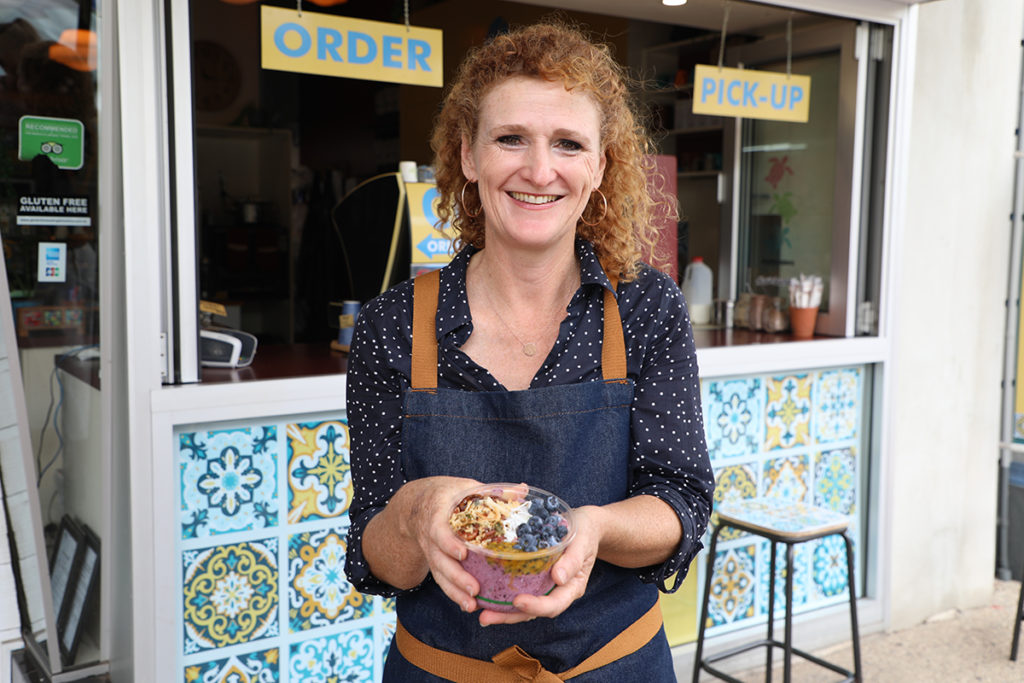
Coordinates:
(489, 520)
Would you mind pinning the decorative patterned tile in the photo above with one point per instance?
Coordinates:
(228, 480)
(732, 410)
(801, 576)
(830, 571)
(838, 399)
(319, 477)
(347, 656)
(255, 667)
(787, 411)
(733, 586)
(835, 479)
(733, 483)
(318, 592)
(788, 478)
(385, 636)
(230, 594)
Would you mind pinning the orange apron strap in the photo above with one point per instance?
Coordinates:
(613, 347)
(514, 665)
(634, 637)
(424, 330)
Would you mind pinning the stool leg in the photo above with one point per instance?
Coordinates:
(771, 615)
(1016, 624)
(698, 655)
(787, 664)
(854, 630)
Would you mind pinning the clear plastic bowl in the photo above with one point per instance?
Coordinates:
(503, 571)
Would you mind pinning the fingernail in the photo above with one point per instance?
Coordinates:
(466, 606)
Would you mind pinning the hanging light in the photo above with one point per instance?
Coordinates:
(673, 3)
(75, 49)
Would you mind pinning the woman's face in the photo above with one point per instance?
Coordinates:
(536, 158)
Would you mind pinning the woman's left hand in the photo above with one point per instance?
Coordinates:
(571, 574)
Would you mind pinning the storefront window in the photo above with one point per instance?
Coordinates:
(50, 224)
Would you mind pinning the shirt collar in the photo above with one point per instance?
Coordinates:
(452, 294)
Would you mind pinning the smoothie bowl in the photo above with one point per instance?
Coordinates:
(514, 534)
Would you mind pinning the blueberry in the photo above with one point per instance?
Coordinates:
(542, 543)
(555, 519)
(551, 503)
(522, 529)
(530, 544)
(551, 541)
(537, 508)
(561, 531)
(547, 529)
(535, 523)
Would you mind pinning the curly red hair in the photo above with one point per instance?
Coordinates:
(557, 52)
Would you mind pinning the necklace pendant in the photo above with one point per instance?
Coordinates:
(529, 349)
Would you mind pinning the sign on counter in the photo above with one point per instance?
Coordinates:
(429, 245)
(328, 45)
(751, 94)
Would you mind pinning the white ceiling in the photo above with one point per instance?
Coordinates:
(705, 14)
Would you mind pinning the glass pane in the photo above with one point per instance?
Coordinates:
(789, 172)
(49, 223)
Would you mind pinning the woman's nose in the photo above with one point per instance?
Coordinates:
(540, 165)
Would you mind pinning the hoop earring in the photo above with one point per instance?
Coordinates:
(465, 208)
(603, 213)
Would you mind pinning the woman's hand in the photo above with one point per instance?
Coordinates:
(412, 537)
(571, 574)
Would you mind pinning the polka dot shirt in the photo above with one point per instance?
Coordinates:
(668, 458)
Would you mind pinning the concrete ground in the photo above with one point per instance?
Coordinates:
(956, 647)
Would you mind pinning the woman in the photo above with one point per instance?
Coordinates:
(540, 165)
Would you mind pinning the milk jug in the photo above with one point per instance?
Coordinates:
(697, 290)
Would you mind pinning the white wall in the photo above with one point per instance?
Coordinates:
(949, 316)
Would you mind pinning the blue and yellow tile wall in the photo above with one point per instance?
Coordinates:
(263, 522)
(797, 436)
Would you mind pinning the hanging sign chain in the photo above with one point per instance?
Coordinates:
(406, 16)
(725, 23)
(789, 44)
(299, 7)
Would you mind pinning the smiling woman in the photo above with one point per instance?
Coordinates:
(544, 353)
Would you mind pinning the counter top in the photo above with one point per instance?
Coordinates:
(281, 361)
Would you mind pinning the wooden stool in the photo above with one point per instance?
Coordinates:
(1016, 624)
(779, 521)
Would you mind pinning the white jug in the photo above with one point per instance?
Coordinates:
(697, 281)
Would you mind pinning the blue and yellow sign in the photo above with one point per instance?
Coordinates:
(313, 43)
(429, 243)
(751, 94)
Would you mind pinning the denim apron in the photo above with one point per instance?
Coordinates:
(572, 440)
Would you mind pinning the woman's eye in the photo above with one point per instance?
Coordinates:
(569, 145)
(509, 140)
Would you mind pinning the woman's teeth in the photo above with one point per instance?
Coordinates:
(534, 198)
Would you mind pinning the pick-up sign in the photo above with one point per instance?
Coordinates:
(751, 94)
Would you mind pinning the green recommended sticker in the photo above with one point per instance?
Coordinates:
(63, 140)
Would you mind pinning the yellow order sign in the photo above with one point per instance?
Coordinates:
(751, 94)
(328, 45)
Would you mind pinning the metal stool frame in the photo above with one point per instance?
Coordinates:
(1016, 624)
(704, 663)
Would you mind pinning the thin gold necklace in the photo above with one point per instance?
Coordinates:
(528, 348)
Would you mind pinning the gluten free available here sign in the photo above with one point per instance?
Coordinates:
(63, 140)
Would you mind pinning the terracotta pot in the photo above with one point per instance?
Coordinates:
(802, 320)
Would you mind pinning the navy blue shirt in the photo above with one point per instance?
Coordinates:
(668, 458)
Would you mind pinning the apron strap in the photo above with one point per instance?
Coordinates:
(514, 665)
(424, 330)
(424, 333)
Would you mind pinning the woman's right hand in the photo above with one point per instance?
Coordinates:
(411, 537)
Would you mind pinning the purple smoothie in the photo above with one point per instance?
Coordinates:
(502, 569)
